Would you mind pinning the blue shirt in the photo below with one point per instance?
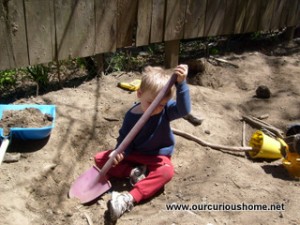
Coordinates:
(156, 136)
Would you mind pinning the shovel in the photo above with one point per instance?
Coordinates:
(93, 183)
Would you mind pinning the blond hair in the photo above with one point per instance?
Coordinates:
(154, 79)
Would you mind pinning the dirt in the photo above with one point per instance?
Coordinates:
(88, 117)
(26, 118)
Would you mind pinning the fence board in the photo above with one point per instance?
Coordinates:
(106, 26)
(157, 21)
(214, 18)
(195, 18)
(292, 15)
(277, 14)
(298, 15)
(40, 31)
(143, 22)
(266, 13)
(284, 14)
(7, 59)
(240, 16)
(230, 17)
(175, 19)
(13, 42)
(30, 30)
(252, 16)
(126, 19)
(75, 28)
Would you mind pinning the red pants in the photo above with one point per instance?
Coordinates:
(160, 169)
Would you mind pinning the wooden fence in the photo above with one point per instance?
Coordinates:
(40, 31)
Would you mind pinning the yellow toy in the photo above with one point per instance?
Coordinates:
(271, 147)
(132, 86)
(265, 146)
(291, 159)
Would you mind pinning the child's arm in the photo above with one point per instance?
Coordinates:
(182, 105)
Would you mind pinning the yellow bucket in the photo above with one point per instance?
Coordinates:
(265, 146)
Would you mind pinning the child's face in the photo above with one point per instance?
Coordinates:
(146, 98)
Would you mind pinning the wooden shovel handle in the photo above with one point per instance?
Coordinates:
(140, 123)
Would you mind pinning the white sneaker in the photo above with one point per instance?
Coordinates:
(119, 204)
(137, 174)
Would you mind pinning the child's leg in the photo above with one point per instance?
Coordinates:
(121, 170)
(161, 171)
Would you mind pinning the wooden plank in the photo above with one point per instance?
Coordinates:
(175, 19)
(106, 26)
(126, 20)
(13, 43)
(292, 12)
(157, 21)
(284, 14)
(298, 15)
(40, 31)
(277, 14)
(195, 19)
(240, 16)
(143, 22)
(7, 58)
(214, 17)
(230, 16)
(266, 14)
(252, 16)
(75, 28)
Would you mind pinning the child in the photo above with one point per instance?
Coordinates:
(153, 146)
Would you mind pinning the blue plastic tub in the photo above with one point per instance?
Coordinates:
(29, 133)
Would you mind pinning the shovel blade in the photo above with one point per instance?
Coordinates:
(89, 186)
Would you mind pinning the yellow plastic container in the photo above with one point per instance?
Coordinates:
(265, 146)
(292, 164)
(291, 160)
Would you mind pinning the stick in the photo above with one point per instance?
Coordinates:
(88, 218)
(244, 134)
(224, 61)
(213, 146)
(261, 124)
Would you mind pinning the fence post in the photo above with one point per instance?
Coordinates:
(99, 59)
(171, 53)
(289, 33)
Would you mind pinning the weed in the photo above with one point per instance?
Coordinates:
(39, 74)
(7, 79)
(121, 61)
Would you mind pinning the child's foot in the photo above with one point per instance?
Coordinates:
(119, 204)
(137, 174)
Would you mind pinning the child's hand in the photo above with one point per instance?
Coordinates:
(118, 158)
(181, 71)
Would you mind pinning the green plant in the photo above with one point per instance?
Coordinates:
(256, 35)
(118, 61)
(81, 63)
(121, 61)
(7, 78)
(39, 74)
(214, 51)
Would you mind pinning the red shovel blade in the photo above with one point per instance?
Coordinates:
(89, 186)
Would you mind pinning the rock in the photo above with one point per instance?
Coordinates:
(263, 92)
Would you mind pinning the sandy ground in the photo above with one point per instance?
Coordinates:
(34, 189)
